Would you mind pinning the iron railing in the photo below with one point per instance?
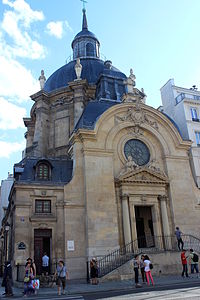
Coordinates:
(147, 244)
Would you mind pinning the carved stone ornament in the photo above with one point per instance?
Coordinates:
(78, 69)
(137, 116)
(135, 131)
(42, 80)
(154, 166)
(129, 166)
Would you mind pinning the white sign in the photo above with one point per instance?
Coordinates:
(70, 245)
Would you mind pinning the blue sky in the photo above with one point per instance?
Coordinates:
(159, 39)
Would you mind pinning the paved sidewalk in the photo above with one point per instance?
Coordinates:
(84, 288)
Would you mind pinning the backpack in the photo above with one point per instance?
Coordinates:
(195, 258)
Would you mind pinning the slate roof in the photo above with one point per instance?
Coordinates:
(92, 112)
(61, 170)
(92, 68)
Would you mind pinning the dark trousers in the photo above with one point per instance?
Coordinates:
(136, 275)
(8, 286)
(143, 274)
(185, 270)
(180, 241)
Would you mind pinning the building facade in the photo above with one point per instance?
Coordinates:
(101, 168)
(183, 106)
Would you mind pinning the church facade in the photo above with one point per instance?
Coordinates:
(101, 167)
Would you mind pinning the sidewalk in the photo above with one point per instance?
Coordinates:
(84, 288)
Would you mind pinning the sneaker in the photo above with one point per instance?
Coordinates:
(138, 285)
(63, 292)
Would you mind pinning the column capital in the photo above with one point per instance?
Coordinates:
(124, 196)
(163, 198)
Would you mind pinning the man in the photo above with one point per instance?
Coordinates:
(7, 280)
(184, 263)
(194, 260)
(45, 264)
(136, 264)
(179, 239)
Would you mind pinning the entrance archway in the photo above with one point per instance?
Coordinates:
(42, 244)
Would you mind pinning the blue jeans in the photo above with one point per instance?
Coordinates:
(194, 267)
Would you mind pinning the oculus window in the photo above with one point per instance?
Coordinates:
(138, 151)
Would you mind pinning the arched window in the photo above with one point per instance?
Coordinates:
(90, 49)
(43, 171)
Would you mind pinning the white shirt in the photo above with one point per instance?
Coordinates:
(147, 263)
(45, 261)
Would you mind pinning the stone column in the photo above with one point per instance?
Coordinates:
(165, 221)
(126, 219)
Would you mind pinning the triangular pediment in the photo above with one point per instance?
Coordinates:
(143, 175)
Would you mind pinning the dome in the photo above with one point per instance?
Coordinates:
(92, 68)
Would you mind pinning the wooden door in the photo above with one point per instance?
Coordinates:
(38, 253)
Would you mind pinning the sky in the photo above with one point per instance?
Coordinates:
(158, 39)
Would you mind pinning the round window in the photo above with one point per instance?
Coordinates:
(138, 151)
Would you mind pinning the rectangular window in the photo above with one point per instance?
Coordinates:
(43, 206)
(194, 114)
(197, 135)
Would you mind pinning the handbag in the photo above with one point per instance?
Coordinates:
(36, 284)
(151, 266)
(26, 279)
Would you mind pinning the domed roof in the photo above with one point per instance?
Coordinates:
(92, 68)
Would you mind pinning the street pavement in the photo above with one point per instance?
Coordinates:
(166, 287)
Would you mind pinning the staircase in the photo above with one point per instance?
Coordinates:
(157, 244)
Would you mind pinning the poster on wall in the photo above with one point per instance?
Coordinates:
(70, 245)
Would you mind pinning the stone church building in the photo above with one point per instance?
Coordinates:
(101, 168)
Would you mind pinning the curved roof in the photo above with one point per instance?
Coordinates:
(92, 68)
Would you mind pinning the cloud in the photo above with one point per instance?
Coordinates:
(11, 116)
(16, 24)
(17, 83)
(7, 148)
(58, 28)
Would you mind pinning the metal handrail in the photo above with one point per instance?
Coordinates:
(158, 244)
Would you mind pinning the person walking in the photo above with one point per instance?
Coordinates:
(147, 268)
(136, 264)
(45, 264)
(32, 265)
(7, 280)
(184, 263)
(62, 273)
(178, 234)
(94, 271)
(194, 261)
(142, 269)
(28, 279)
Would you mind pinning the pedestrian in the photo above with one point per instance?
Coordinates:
(94, 270)
(62, 275)
(136, 264)
(147, 268)
(184, 263)
(194, 261)
(7, 280)
(45, 264)
(178, 234)
(142, 269)
(32, 265)
(28, 279)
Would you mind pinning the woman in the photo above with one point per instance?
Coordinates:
(142, 268)
(62, 274)
(147, 270)
(94, 271)
(28, 279)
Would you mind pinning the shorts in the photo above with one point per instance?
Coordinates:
(61, 282)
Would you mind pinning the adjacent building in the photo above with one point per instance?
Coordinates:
(101, 168)
(183, 106)
(6, 186)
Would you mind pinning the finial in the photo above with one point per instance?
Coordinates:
(84, 1)
(78, 69)
(84, 24)
(42, 80)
